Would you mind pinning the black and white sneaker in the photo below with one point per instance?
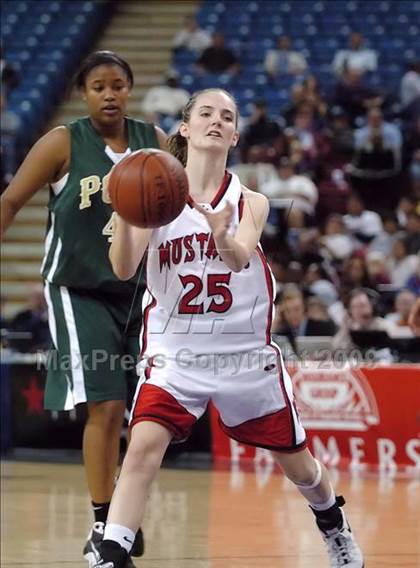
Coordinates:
(343, 550)
(91, 549)
(111, 555)
(95, 536)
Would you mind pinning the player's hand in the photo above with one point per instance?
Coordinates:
(414, 317)
(219, 222)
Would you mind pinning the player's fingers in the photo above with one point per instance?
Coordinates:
(227, 211)
(229, 207)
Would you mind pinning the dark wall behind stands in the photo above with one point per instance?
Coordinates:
(25, 423)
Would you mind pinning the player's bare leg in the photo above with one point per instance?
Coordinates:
(101, 447)
(148, 445)
(312, 480)
(142, 462)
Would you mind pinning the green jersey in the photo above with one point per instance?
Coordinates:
(81, 219)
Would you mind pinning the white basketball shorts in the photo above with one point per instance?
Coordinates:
(251, 390)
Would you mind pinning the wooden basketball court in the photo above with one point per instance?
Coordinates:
(206, 519)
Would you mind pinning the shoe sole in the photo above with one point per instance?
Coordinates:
(90, 557)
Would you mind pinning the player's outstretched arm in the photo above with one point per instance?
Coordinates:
(128, 246)
(236, 250)
(46, 162)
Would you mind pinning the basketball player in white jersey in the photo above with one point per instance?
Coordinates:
(206, 336)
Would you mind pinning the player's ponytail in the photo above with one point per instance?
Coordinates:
(177, 145)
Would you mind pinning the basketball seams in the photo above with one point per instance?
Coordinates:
(144, 189)
(169, 177)
(160, 179)
(115, 195)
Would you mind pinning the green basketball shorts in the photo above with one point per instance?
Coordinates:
(93, 358)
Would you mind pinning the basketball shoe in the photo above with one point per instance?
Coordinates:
(90, 551)
(343, 550)
(110, 554)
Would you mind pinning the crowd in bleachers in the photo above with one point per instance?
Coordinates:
(42, 44)
(329, 95)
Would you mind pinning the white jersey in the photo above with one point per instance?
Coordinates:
(194, 302)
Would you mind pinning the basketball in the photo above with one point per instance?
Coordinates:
(148, 188)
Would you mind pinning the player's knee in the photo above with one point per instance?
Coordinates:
(144, 458)
(109, 415)
(308, 477)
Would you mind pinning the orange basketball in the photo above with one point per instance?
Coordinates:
(148, 188)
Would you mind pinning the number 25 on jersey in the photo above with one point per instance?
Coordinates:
(217, 288)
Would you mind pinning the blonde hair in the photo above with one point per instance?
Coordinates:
(177, 144)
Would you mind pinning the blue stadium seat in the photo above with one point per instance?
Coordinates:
(46, 39)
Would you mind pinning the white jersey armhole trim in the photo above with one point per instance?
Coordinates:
(58, 186)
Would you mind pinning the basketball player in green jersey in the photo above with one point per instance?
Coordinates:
(89, 308)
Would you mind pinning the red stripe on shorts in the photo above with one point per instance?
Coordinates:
(154, 404)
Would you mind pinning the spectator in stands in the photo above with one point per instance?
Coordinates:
(295, 320)
(313, 96)
(297, 98)
(340, 136)
(191, 37)
(332, 181)
(354, 96)
(360, 316)
(307, 248)
(316, 309)
(10, 122)
(406, 205)
(412, 233)
(294, 273)
(260, 130)
(385, 239)
(354, 274)
(217, 58)
(318, 284)
(165, 100)
(336, 241)
(410, 89)
(290, 194)
(377, 269)
(377, 161)
(363, 224)
(313, 142)
(404, 302)
(283, 60)
(33, 320)
(402, 265)
(306, 93)
(356, 57)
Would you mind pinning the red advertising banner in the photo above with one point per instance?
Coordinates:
(364, 418)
